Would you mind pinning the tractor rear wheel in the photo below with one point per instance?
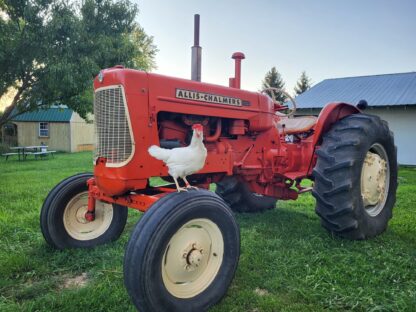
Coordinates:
(182, 254)
(240, 198)
(356, 177)
(63, 222)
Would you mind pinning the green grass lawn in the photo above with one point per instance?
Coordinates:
(288, 262)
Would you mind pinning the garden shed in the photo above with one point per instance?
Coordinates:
(390, 96)
(58, 127)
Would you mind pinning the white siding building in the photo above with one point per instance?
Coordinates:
(390, 96)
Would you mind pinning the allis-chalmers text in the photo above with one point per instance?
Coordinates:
(207, 97)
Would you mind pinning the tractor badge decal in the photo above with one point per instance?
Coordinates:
(210, 98)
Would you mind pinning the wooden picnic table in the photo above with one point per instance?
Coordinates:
(23, 151)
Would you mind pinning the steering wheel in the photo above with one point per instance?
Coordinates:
(273, 90)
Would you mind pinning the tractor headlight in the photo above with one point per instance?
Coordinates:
(100, 76)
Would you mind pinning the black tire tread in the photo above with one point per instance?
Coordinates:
(52, 210)
(337, 176)
(142, 244)
(240, 198)
(51, 195)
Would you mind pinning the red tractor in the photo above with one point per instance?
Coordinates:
(183, 252)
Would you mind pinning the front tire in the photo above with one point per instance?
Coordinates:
(356, 177)
(182, 254)
(63, 222)
(241, 199)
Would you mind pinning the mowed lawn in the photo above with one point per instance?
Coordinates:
(288, 262)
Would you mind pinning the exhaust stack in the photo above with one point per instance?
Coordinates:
(196, 52)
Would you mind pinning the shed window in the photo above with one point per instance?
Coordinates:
(44, 129)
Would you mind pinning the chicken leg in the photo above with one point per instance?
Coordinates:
(188, 185)
(180, 189)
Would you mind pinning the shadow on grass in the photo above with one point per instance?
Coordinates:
(287, 253)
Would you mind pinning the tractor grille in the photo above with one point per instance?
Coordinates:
(112, 128)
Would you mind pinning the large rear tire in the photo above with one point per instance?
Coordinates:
(63, 222)
(356, 177)
(182, 254)
(240, 198)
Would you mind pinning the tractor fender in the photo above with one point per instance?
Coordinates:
(329, 115)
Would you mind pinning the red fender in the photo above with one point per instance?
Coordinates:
(329, 115)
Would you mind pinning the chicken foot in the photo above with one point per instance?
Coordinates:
(188, 185)
(180, 189)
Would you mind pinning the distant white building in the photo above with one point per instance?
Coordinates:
(390, 96)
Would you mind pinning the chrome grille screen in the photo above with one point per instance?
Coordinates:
(112, 128)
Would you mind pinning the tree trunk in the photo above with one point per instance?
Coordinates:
(9, 109)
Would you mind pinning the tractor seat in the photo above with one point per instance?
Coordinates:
(295, 124)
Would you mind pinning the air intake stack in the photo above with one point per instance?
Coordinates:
(236, 81)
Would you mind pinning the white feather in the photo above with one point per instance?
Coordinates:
(182, 161)
(159, 153)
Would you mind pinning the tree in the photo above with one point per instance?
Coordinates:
(51, 50)
(303, 84)
(273, 79)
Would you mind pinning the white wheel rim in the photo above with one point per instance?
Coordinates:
(375, 179)
(80, 228)
(192, 258)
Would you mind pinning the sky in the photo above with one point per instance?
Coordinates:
(325, 38)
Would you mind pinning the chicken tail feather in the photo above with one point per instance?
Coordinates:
(159, 153)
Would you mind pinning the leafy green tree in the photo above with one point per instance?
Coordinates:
(303, 84)
(50, 50)
(273, 79)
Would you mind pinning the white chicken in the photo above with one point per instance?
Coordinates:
(183, 161)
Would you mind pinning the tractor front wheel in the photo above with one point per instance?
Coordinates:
(182, 254)
(241, 199)
(63, 221)
(356, 177)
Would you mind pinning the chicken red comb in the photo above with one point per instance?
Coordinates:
(197, 127)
